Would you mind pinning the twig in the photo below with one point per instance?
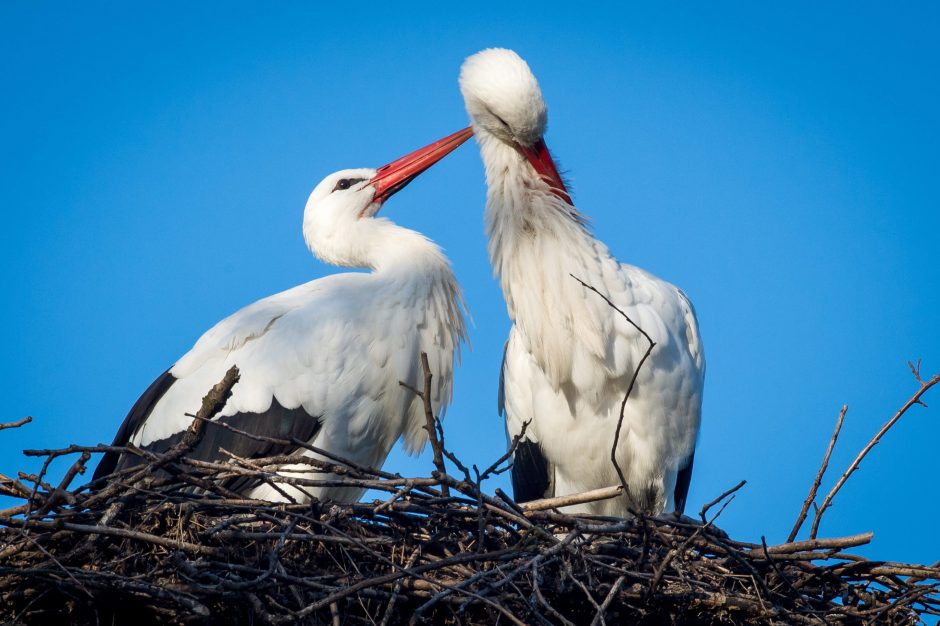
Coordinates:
(60, 493)
(494, 467)
(636, 373)
(594, 495)
(437, 445)
(395, 593)
(25, 420)
(835, 543)
(602, 610)
(212, 403)
(117, 532)
(827, 502)
(12, 487)
(709, 505)
(814, 488)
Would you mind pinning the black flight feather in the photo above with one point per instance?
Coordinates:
(275, 423)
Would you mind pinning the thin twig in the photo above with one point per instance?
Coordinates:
(709, 505)
(437, 445)
(827, 501)
(602, 610)
(594, 495)
(814, 488)
(25, 420)
(636, 373)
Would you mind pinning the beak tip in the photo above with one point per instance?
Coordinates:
(391, 178)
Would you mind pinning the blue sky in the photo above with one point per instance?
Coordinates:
(780, 164)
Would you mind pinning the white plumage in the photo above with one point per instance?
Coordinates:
(570, 356)
(325, 358)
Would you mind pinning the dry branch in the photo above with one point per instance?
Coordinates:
(604, 493)
(814, 488)
(854, 465)
(17, 424)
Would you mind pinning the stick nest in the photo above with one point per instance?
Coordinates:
(168, 543)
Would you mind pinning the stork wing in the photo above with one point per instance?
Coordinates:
(134, 419)
(180, 389)
(275, 423)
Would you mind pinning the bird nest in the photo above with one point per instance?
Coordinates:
(168, 542)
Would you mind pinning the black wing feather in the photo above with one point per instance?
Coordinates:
(683, 479)
(135, 418)
(275, 423)
(530, 473)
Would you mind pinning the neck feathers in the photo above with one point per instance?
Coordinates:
(413, 267)
(536, 242)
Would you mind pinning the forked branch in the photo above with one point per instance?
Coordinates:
(854, 465)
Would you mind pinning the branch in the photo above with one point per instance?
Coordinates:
(437, 445)
(25, 420)
(819, 476)
(724, 495)
(915, 399)
(494, 467)
(636, 373)
(835, 543)
(212, 403)
(594, 495)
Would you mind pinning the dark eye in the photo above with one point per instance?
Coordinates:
(499, 119)
(346, 183)
(502, 121)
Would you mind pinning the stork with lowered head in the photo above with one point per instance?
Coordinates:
(571, 355)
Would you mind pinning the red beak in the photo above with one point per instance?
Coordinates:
(538, 156)
(392, 178)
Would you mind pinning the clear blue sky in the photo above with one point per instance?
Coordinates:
(780, 164)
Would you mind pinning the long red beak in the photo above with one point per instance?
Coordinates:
(537, 154)
(392, 178)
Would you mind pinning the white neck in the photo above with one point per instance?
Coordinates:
(414, 268)
(536, 241)
(394, 248)
(411, 266)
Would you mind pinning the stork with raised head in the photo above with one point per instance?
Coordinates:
(322, 362)
(571, 356)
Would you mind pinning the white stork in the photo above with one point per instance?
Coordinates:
(322, 361)
(570, 356)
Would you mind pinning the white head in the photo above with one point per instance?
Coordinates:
(340, 226)
(503, 97)
(505, 102)
(338, 217)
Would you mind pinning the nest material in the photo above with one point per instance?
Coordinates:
(168, 543)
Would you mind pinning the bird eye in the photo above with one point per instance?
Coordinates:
(499, 119)
(346, 183)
